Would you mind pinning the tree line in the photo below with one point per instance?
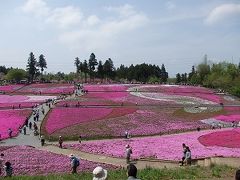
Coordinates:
(91, 70)
(222, 75)
(105, 71)
(34, 69)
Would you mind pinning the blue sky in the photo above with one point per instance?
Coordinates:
(176, 33)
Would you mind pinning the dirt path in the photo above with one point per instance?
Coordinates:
(141, 164)
(29, 139)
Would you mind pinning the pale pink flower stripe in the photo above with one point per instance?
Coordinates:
(228, 118)
(12, 119)
(192, 91)
(48, 88)
(30, 161)
(10, 88)
(167, 147)
(115, 96)
(12, 99)
(63, 117)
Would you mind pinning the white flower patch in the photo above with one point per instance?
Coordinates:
(39, 98)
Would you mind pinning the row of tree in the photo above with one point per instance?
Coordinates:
(140, 72)
(223, 75)
(33, 70)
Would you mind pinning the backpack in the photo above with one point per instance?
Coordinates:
(76, 162)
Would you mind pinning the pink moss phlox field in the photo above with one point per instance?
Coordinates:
(63, 117)
(112, 95)
(82, 103)
(167, 147)
(228, 118)
(12, 99)
(12, 119)
(228, 138)
(10, 88)
(48, 89)
(193, 91)
(30, 161)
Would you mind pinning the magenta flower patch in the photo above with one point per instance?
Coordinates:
(30, 161)
(12, 119)
(230, 139)
(63, 117)
(168, 147)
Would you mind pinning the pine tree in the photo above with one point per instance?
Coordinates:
(31, 67)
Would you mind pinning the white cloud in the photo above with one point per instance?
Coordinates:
(124, 11)
(65, 16)
(223, 12)
(36, 7)
(170, 5)
(76, 30)
(93, 20)
(107, 31)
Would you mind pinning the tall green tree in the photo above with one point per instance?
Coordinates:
(42, 63)
(100, 70)
(85, 69)
(108, 68)
(178, 78)
(92, 62)
(77, 64)
(31, 67)
(164, 74)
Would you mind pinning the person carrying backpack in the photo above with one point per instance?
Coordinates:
(74, 163)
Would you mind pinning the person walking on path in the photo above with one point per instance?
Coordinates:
(42, 140)
(30, 125)
(24, 129)
(1, 163)
(188, 157)
(60, 141)
(184, 153)
(8, 169)
(10, 132)
(74, 163)
(80, 139)
(128, 153)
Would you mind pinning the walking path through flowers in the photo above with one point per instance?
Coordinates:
(86, 153)
(29, 139)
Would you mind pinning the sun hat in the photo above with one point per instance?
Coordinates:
(127, 146)
(99, 173)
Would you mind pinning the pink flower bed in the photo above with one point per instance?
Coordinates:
(12, 119)
(192, 91)
(228, 118)
(10, 88)
(16, 105)
(12, 99)
(229, 138)
(99, 91)
(138, 123)
(63, 117)
(167, 147)
(30, 161)
(48, 89)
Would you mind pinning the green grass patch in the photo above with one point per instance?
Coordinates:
(213, 172)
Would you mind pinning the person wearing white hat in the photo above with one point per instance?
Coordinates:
(99, 173)
(74, 163)
(128, 153)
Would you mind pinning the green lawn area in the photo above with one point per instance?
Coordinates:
(213, 172)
